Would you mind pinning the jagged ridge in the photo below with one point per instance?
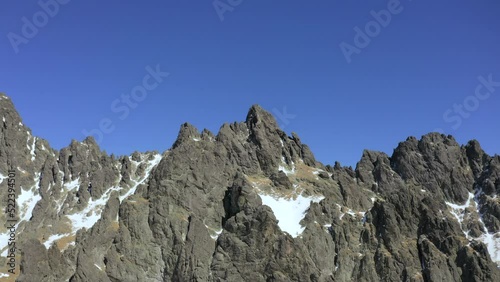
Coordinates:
(195, 213)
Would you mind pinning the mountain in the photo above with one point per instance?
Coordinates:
(248, 204)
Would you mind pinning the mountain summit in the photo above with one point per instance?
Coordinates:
(247, 204)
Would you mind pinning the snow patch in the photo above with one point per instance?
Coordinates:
(54, 238)
(89, 216)
(196, 139)
(492, 241)
(4, 242)
(289, 212)
(327, 227)
(458, 211)
(92, 213)
(2, 275)
(150, 167)
(73, 185)
(352, 213)
(2, 177)
(135, 163)
(22, 170)
(286, 170)
(217, 232)
(317, 171)
(27, 201)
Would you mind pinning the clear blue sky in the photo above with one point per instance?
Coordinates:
(65, 76)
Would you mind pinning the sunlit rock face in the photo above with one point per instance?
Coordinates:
(249, 203)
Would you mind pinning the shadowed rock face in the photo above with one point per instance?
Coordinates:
(216, 208)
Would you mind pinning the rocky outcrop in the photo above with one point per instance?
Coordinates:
(251, 204)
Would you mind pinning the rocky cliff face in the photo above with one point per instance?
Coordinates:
(249, 204)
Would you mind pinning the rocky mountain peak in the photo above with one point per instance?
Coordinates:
(250, 204)
(10, 117)
(186, 132)
(257, 117)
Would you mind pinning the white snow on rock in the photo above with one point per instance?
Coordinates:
(27, 200)
(316, 171)
(89, 216)
(32, 152)
(458, 211)
(461, 207)
(327, 227)
(492, 241)
(150, 167)
(73, 185)
(196, 139)
(92, 213)
(4, 242)
(217, 232)
(2, 177)
(283, 167)
(54, 238)
(351, 213)
(2, 275)
(135, 163)
(289, 212)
